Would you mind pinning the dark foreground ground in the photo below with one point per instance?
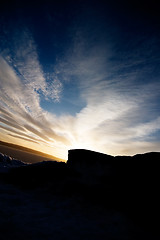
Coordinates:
(50, 200)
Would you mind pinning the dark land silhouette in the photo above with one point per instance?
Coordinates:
(100, 185)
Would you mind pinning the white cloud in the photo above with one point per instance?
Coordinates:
(145, 129)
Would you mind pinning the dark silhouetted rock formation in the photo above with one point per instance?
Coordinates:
(128, 177)
(129, 184)
(92, 165)
(120, 167)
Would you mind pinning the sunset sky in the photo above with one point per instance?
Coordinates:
(80, 74)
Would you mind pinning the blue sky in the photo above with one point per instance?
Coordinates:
(80, 74)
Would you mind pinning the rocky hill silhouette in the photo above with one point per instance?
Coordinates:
(129, 184)
(93, 170)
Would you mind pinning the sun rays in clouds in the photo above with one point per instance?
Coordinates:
(119, 115)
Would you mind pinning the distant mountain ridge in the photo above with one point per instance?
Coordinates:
(6, 162)
(29, 150)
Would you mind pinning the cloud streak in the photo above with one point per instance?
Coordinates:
(22, 84)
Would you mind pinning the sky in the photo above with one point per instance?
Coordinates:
(80, 74)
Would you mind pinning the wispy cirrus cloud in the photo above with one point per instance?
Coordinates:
(24, 60)
(22, 85)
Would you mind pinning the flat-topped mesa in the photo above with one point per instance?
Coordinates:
(90, 162)
(87, 156)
